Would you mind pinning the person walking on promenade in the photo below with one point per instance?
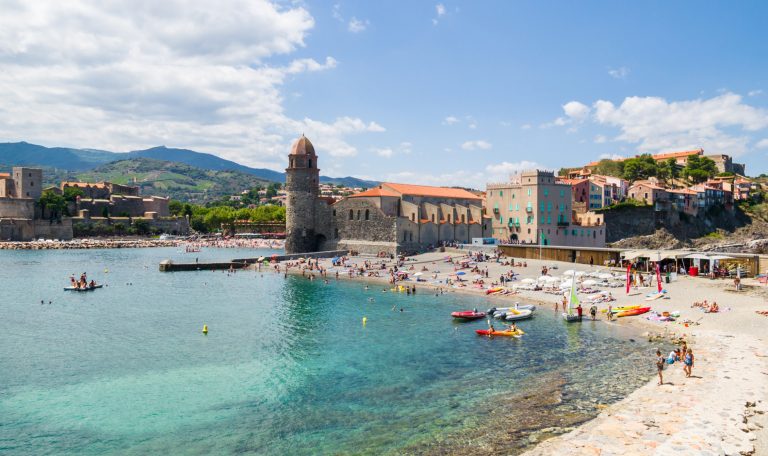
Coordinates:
(660, 366)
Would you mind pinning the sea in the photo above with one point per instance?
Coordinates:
(287, 367)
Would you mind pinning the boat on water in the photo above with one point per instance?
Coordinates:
(468, 315)
(507, 332)
(499, 312)
(631, 312)
(620, 308)
(88, 288)
(514, 315)
(573, 302)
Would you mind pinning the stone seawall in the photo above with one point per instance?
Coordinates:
(239, 263)
(88, 244)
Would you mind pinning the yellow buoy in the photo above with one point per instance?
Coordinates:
(365, 320)
(205, 329)
(106, 271)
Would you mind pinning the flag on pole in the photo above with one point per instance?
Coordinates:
(658, 276)
(629, 276)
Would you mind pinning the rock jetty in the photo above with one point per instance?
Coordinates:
(89, 244)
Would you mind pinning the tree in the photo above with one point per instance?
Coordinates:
(141, 226)
(639, 168)
(608, 167)
(71, 193)
(187, 212)
(54, 203)
(272, 190)
(175, 207)
(699, 169)
(105, 212)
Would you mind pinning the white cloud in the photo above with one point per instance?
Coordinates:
(762, 144)
(357, 26)
(386, 153)
(336, 12)
(718, 124)
(619, 73)
(472, 126)
(501, 172)
(476, 145)
(406, 147)
(525, 127)
(440, 11)
(450, 120)
(575, 113)
(610, 156)
(754, 93)
(198, 74)
(600, 139)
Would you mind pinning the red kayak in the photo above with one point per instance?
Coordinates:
(631, 312)
(468, 315)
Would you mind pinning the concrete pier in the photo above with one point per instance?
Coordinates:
(240, 263)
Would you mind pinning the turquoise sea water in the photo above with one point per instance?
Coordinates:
(287, 367)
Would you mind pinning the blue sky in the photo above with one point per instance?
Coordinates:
(427, 92)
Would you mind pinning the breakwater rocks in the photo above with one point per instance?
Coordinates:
(89, 244)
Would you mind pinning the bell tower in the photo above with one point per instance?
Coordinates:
(302, 186)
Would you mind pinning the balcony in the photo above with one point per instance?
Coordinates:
(563, 223)
(496, 210)
(529, 209)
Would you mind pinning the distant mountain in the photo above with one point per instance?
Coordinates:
(22, 153)
(177, 180)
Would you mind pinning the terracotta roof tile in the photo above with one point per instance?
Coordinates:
(425, 190)
(374, 192)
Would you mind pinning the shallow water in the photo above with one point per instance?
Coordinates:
(287, 368)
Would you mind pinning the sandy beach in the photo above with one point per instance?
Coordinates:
(720, 409)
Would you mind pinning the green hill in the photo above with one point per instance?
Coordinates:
(177, 180)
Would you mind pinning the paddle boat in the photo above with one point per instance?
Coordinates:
(87, 288)
(468, 315)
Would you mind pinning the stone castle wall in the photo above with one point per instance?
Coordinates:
(17, 208)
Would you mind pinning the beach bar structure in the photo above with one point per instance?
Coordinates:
(749, 265)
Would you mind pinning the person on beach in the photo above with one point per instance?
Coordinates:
(688, 361)
(660, 366)
(593, 312)
(579, 311)
(674, 355)
(683, 352)
(610, 312)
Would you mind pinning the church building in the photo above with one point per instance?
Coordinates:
(391, 218)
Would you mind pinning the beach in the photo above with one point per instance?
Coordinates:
(720, 409)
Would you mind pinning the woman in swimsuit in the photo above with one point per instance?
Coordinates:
(688, 361)
(660, 366)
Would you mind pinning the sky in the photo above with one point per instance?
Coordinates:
(436, 93)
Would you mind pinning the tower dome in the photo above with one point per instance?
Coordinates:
(303, 146)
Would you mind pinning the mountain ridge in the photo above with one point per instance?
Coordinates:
(77, 160)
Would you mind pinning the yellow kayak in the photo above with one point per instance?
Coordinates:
(621, 309)
(507, 332)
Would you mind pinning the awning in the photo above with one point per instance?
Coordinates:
(721, 257)
(697, 256)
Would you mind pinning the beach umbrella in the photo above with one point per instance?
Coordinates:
(589, 282)
(569, 272)
(579, 273)
(605, 275)
(527, 281)
(418, 274)
(566, 284)
(549, 279)
(478, 276)
(461, 273)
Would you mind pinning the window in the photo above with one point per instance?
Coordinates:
(562, 193)
(334, 212)
(462, 218)
(358, 214)
(529, 190)
(517, 207)
(433, 218)
(367, 214)
(541, 207)
(336, 233)
(31, 184)
(501, 192)
(549, 207)
(413, 217)
(513, 196)
(449, 218)
(310, 162)
(546, 192)
(549, 220)
(351, 214)
(501, 219)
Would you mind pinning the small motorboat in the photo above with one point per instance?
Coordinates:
(88, 288)
(507, 332)
(494, 310)
(468, 315)
(571, 317)
(631, 312)
(514, 315)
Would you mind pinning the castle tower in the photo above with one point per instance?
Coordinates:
(302, 185)
(28, 182)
